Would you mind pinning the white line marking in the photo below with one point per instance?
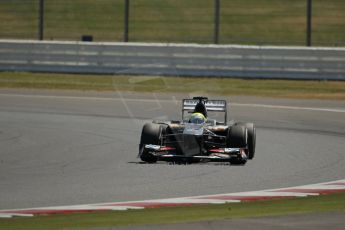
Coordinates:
(10, 215)
(165, 100)
(268, 193)
(289, 107)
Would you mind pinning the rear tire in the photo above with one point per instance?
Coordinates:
(150, 134)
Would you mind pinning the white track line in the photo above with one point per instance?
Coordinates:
(154, 100)
(290, 107)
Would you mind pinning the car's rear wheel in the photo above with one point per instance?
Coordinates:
(251, 138)
(150, 134)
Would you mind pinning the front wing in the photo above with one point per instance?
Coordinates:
(166, 153)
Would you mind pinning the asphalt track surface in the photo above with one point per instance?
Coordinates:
(66, 147)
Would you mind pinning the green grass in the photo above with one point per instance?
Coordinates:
(278, 22)
(326, 203)
(215, 86)
(64, 20)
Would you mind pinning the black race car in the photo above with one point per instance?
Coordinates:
(198, 140)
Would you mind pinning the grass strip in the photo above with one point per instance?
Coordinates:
(158, 84)
(323, 203)
(242, 22)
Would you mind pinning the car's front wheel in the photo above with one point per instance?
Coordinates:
(150, 134)
(237, 138)
(251, 138)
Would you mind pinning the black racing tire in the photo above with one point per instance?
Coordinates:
(238, 161)
(237, 137)
(150, 134)
(251, 138)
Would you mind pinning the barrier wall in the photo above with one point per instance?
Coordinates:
(173, 59)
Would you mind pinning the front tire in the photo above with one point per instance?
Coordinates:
(238, 161)
(251, 138)
(150, 134)
(237, 137)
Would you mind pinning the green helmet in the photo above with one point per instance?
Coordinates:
(197, 118)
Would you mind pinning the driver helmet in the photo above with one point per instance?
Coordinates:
(197, 118)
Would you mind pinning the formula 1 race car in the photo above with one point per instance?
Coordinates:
(198, 137)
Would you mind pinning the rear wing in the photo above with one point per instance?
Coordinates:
(188, 105)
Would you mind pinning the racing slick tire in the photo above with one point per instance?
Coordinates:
(237, 138)
(251, 138)
(238, 161)
(150, 134)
